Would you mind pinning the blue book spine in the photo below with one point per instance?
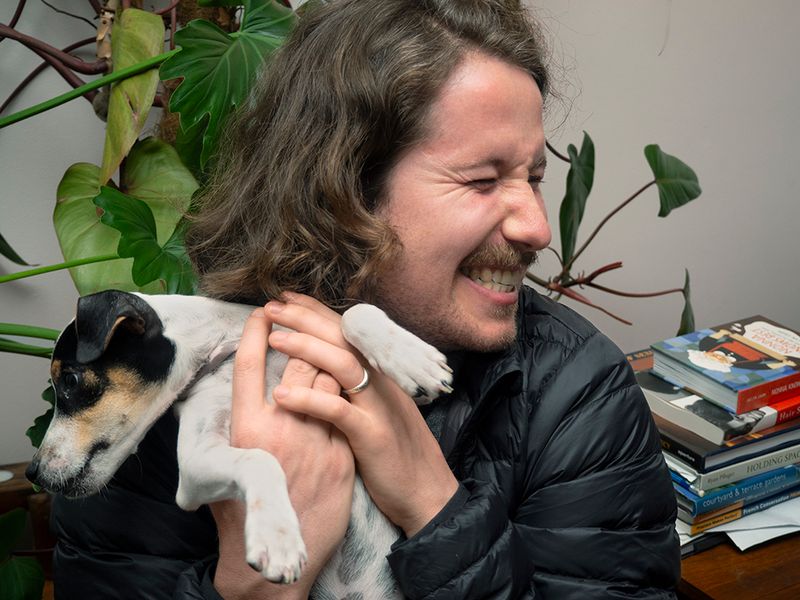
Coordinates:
(742, 492)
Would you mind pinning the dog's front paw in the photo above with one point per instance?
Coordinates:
(274, 546)
(416, 366)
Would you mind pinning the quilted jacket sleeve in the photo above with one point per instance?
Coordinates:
(590, 512)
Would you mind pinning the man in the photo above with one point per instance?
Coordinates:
(393, 153)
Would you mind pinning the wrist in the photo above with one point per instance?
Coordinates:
(430, 504)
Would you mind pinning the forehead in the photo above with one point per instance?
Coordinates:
(486, 105)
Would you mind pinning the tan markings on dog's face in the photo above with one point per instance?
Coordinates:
(116, 414)
(55, 369)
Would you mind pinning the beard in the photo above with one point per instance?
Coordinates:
(445, 324)
(446, 329)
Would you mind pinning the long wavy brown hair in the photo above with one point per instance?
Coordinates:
(291, 202)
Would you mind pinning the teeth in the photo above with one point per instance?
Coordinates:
(495, 280)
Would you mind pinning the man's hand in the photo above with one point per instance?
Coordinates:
(398, 458)
(315, 457)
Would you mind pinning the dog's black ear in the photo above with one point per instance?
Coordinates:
(99, 315)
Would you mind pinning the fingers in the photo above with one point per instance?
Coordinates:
(342, 364)
(324, 406)
(311, 304)
(299, 372)
(319, 322)
(249, 366)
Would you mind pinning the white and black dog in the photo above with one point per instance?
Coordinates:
(126, 358)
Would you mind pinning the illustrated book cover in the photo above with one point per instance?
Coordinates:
(742, 365)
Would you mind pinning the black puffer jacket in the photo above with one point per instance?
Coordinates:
(564, 491)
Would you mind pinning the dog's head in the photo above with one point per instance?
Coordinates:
(108, 370)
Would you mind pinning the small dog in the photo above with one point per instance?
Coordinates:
(126, 358)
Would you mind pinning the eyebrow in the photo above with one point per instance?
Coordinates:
(538, 163)
(534, 164)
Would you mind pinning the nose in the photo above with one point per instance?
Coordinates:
(525, 223)
(32, 472)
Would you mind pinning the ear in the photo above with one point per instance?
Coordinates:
(99, 315)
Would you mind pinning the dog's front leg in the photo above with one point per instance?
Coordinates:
(211, 470)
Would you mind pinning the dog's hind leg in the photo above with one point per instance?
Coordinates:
(416, 366)
(211, 470)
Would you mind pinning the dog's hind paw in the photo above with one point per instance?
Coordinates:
(274, 546)
(416, 366)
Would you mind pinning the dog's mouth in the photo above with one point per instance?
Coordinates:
(82, 482)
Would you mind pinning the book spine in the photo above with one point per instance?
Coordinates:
(743, 492)
(682, 451)
(786, 410)
(733, 515)
(748, 468)
(768, 393)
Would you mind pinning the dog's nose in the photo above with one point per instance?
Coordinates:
(32, 472)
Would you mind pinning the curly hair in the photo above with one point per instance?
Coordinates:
(291, 201)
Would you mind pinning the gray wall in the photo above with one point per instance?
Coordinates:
(712, 82)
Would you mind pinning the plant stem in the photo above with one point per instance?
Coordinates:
(17, 348)
(603, 222)
(38, 70)
(58, 267)
(557, 153)
(633, 294)
(76, 64)
(125, 73)
(33, 331)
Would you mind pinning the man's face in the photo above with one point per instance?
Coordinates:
(466, 205)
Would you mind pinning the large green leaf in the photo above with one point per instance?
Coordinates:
(21, 578)
(153, 173)
(7, 251)
(677, 182)
(12, 524)
(152, 262)
(218, 68)
(137, 35)
(40, 424)
(579, 184)
(189, 145)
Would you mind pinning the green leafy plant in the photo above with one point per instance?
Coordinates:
(120, 224)
(21, 577)
(677, 185)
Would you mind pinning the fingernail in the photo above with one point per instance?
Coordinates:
(275, 307)
(278, 336)
(281, 391)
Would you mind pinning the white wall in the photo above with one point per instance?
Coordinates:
(33, 156)
(722, 95)
(714, 82)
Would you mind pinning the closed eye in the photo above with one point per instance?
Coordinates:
(483, 185)
(535, 180)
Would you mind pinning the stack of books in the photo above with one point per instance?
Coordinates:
(726, 401)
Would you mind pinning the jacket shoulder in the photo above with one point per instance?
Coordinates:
(552, 335)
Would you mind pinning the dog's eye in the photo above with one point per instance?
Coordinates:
(71, 381)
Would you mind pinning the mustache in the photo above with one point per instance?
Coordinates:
(501, 257)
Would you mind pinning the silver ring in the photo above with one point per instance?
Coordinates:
(361, 386)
